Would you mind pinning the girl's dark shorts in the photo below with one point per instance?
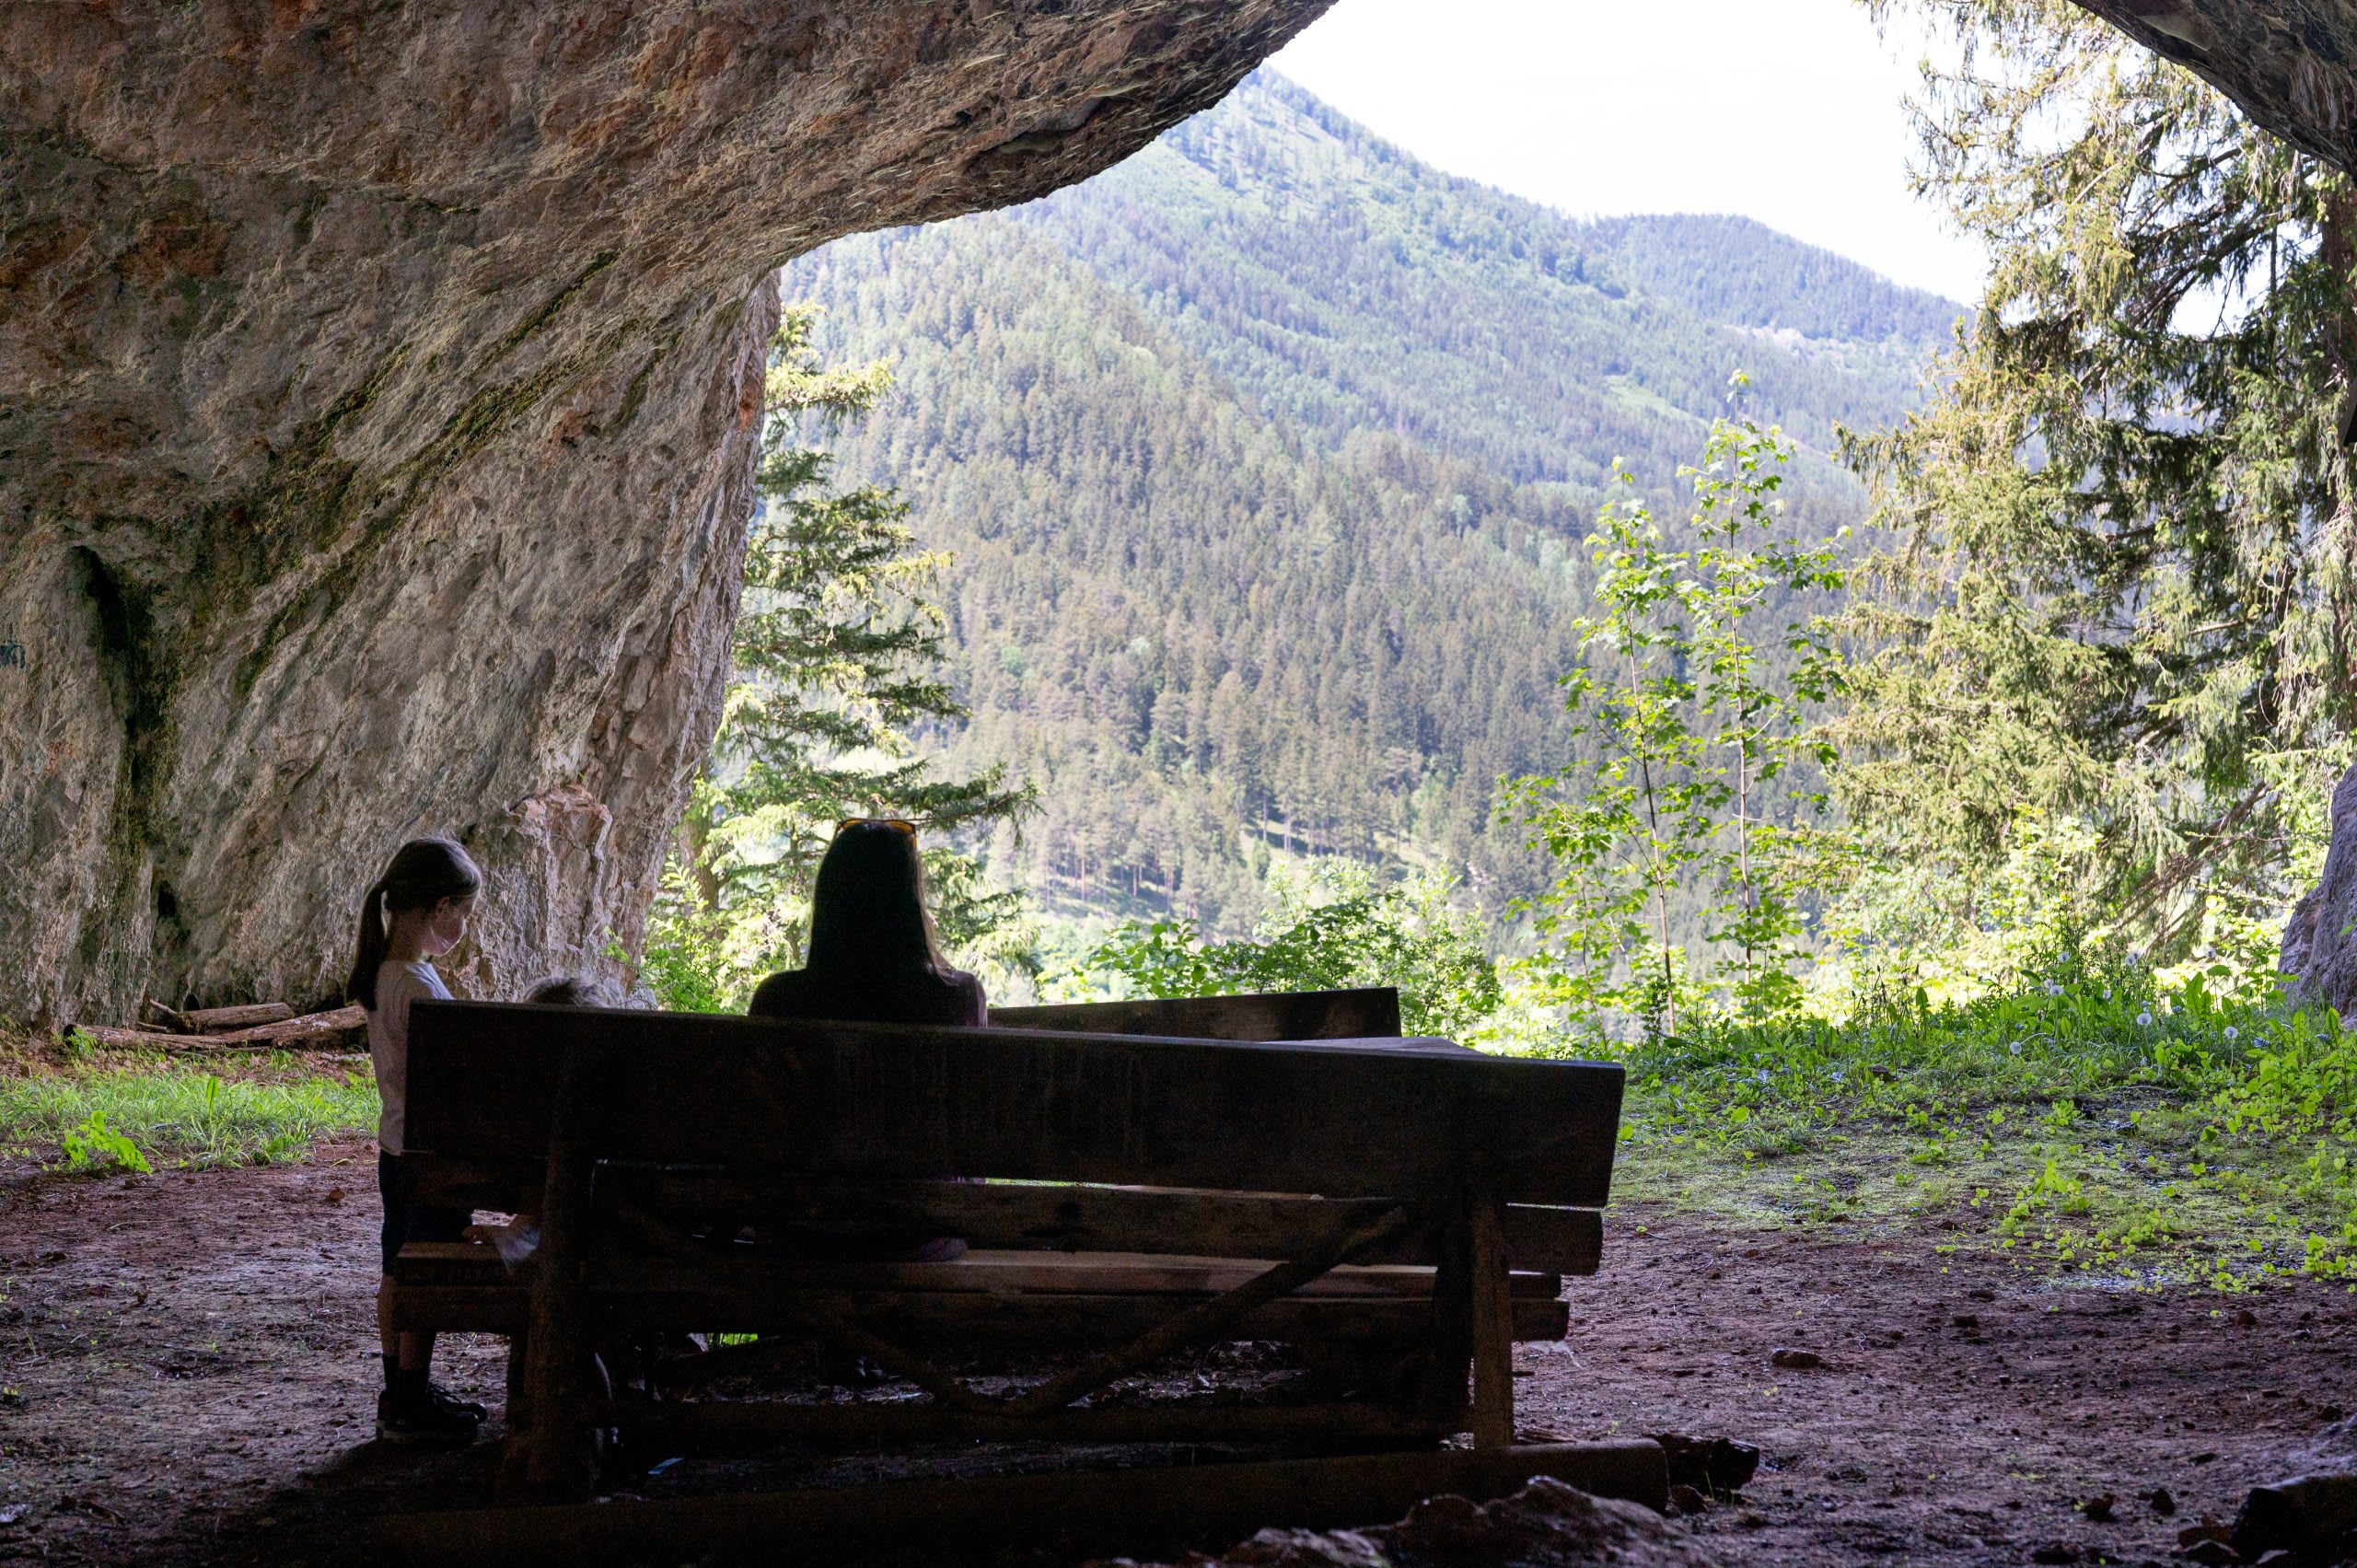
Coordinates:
(413, 1222)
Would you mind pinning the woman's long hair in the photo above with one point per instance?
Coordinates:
(424, 872)
(867, 905)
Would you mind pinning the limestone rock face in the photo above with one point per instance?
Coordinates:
(2320, 939)
(379, 385)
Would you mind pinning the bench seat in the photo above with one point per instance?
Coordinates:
(1035, 1300)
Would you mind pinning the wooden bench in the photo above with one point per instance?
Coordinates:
(1404, 1207)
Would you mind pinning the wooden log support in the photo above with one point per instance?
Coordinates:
(1200, 1504)
(974, 1319)
(555, 1459)
(1449, 1349)
(519, 1409)
(1493, 1322)
(740, 1271)
(1212, 1318)
(740, 1427)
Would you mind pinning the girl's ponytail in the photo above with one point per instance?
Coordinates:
(369, 955)
(423, 872)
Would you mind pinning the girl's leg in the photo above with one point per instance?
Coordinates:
(411, 1352)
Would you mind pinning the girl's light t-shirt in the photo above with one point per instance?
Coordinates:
(397, 986)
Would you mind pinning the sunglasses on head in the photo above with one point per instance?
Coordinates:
(897, 824)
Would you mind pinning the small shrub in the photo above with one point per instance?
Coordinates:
(94, 1144)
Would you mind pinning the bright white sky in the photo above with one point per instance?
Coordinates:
(1786, 111)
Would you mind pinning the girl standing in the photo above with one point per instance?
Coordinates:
(415, 913)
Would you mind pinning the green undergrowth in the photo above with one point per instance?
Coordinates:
(2089, 1121)
(82, 1109)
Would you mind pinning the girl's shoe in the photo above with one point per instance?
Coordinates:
(435, 1418)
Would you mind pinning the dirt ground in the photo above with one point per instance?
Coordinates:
(187, 1368)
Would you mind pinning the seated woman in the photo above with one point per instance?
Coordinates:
(872, 956)
(874, 959)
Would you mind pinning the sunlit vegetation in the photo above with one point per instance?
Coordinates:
(82, 1109)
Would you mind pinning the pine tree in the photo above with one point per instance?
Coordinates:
(837, 653)
(2118, 582)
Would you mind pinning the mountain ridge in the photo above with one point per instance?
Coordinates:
(1265, 458)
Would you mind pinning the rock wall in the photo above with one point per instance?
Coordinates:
(379, 385)
(2320, 939)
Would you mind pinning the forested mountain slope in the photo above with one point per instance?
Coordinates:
(1265, 458)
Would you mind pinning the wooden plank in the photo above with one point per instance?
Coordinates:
(999, 1215)
(1092, 1510)
(1564, 1241)
(1398, 1119)
(510, 1186)
(1061, 1217)
(974, 1272)
(1277, 1014)
(1088, 1273)
(1492, 1328)
(1043, 1321)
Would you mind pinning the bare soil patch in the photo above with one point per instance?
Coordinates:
(188, 1368)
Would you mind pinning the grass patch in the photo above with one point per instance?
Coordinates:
(2090, 1120)
(93, 1111)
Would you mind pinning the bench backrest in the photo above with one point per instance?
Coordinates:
(1369, 1013)
(1343, 1118)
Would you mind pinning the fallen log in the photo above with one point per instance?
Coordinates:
(1091, 1509)
(345, 1028)
(216, 1020)
(223, 1020)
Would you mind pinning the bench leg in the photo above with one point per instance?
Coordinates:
(555, 1458)
(1450, 1346)
(518, 1405)
(1492, 1327)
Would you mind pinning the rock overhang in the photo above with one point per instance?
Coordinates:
(379, 392)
